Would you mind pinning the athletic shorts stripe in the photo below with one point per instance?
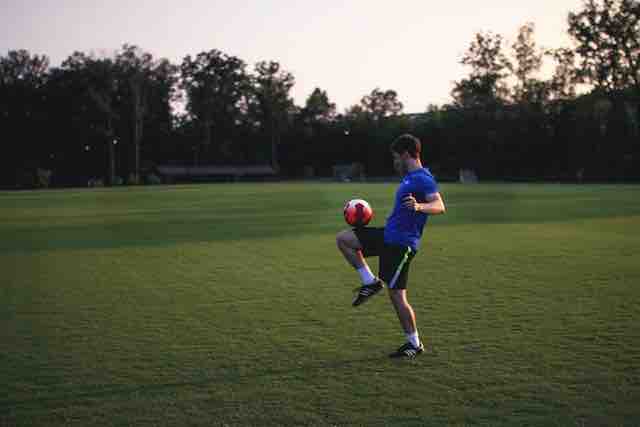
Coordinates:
(404, 260)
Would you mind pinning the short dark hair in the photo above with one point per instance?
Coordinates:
(407, 143)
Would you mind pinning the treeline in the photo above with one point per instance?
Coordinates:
(114, 119)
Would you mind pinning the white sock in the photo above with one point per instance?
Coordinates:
(366, 275)
(414, 339)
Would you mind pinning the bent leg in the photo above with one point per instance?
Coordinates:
(351, 248)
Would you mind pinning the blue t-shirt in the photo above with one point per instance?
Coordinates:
(404, 226)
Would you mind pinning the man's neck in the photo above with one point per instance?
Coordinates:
(414, 165)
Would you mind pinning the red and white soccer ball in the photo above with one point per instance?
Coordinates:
(357, 212)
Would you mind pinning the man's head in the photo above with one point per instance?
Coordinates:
(406, 151)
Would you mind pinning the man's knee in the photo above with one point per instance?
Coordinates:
(398, 297)
(340, 238)
(347, 239)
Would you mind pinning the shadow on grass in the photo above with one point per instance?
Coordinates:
(153, 234)
(121, 220)
(164, 234)
(106, 391)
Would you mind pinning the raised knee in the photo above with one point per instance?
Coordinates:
(343, 239)
(340, 239)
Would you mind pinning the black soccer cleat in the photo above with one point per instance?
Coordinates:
(408, 351)
(367, 291)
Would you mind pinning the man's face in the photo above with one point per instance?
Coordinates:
(400, 163)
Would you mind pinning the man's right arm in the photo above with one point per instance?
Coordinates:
(434, 205)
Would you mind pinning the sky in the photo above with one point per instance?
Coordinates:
(345, 47)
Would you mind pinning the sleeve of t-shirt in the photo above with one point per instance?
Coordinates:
(430, 186)
(424, 187)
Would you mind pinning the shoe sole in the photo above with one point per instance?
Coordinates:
(366, 298)
(404, 356)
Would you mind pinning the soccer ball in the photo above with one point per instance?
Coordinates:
(357, 212)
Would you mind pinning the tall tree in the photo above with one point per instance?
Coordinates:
(19, 66)
(607, 35)
(562, 85)
(310, 140)
(147, 87)
(368, 128)
(215, 84)
(136, 67)
(380, 104)
(607, 38)
(162, 97)
(485, 85)
(528, 61)
(272, 106)
(317, 115)
(99, 80)
(22, 77)
(478, 98)
(318, 108)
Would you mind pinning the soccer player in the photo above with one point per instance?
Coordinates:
(398, 241)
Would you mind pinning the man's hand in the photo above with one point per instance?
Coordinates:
(411, 203)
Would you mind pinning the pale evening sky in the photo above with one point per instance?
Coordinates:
(346, 47)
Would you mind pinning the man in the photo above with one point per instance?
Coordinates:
(397, 242)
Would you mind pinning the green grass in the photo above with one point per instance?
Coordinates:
(230, 305)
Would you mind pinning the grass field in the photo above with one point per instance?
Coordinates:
(230, 305)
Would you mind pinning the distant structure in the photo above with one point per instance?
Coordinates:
(172, 174)
(468, 176)
(417, 117)
(349, 172)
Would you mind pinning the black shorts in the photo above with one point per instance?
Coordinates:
(394, 259)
